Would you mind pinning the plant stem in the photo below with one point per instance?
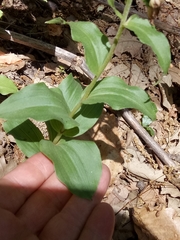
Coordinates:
(57, 138)
(108, 58)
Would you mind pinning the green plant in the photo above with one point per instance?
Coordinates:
(7, 86)
(146, 121)
(69, 110)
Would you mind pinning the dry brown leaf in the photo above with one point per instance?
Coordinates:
(120, 70)
(11, 58)
(12, 62)
(174, 149)
(144, 170)
(175, 204)
(138, 78)
(50, 67)
(122, 192)
(148, 197)
(167, 98)
(170, 189)
(54, 29)
(154, 71)
(128, 43)
(6, 167)
(175, 73)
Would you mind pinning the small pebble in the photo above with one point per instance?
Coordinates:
(141, 185)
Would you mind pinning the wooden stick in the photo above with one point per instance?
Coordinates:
(63, 56)
(142, 133)
(71, 59)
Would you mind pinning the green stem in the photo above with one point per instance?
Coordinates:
(57, 138)
(108, 58)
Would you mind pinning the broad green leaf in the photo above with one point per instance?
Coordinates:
(148, 34)
(39, 102)
(7, 86)
(71, 91)
(87, 116)
(56, 125)
(77, 164)
(116, 93)
(51, 132)
(96, 45)
(112, 5)
(27, 136)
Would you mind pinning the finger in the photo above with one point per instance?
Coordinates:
(19, 184)
(11, 228)
(45, 203)
(100, 224)
(70, 221)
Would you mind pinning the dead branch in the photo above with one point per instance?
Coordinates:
(143, 134)
(65, 57)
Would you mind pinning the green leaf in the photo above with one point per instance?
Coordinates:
(96, 45)
(27, 136)
(39, 102)
(148, 34)
(146, 121)
(56, 125)
(116, 93)
(71, 91)
(77, 165)
(51, 132)
(87, 116)
(150, 130)
(7, 86)
(112, 5)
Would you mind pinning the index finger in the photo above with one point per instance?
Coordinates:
(18, 185)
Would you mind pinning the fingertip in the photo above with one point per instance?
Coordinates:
(103, 183)
(100, 224)
(107, 172)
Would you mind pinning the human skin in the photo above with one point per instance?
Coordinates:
(34, 205)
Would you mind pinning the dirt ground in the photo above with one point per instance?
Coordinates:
(146, 204)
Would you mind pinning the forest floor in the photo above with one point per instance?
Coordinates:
(146, 204)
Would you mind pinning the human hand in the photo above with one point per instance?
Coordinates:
(34, 205)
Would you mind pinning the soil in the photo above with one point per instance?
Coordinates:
(142, 199)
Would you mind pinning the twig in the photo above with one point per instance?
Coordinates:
(72, 59)
(63, 56)
(142, 133)
(161, 25)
